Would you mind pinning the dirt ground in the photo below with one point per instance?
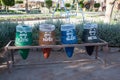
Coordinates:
(59, 67)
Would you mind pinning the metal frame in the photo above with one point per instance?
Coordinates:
(10, 48)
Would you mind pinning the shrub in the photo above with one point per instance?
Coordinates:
(110, 33)
(7, 32)
(107, 32)
(0, 3)
(48, 3)
(73, 7)
(96, 5)
(67, 5)
(8, 2)
(81, 4)
(19, 1)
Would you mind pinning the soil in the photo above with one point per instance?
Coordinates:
(59, 67)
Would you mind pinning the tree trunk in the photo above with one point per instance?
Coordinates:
(77, 9)
(91, 4)
(6, 9)
(109, 10)
(26, 6)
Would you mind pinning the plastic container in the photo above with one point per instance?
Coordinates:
(90, 36)
(68, 36)
(46, 37)
(23, 38)
(90, 33)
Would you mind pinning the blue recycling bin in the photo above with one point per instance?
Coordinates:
(68, 36)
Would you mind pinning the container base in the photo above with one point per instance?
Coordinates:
(24, 53)
(46, 52)
(69, 51)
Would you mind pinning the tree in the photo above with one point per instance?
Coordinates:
(7, 3)
(48, 4)
(67, 5)
(109, 10)
(81, 4)
(0, 4)
(19, 1)
(92, 4)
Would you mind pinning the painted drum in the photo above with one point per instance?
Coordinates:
(68, 36)
(23, 38)
(90, 36)
(46, 37)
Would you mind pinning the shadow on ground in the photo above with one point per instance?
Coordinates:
(59, 67)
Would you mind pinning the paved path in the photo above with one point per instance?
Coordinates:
(75, 70)
(89, 16)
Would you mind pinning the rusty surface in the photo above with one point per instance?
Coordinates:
(11, 45)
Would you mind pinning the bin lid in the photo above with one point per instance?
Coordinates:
(46, 27)
(90, 25)
(23, 28)
(67, 27)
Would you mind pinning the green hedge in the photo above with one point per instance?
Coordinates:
(7, 32)
(109, 33)
(8, 2)
(19, 1)
(96, 5)
(67, 5)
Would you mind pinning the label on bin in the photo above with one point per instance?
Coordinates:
(47, 36)
(23, 35)
(23, 38)
(90, 33)
(68, 34)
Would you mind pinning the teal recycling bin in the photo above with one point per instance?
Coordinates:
(23, 38)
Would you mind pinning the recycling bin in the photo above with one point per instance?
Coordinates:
(23, 38)
(46, 37)
(68, 36)
(90, 36)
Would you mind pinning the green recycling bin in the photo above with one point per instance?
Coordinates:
(23, 38)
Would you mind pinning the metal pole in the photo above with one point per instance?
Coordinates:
(105, 48)
(7, 59)
(96, 52)
(12, 56)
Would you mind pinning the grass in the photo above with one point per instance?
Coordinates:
(28, 17)
(11, 12)
(43, 16)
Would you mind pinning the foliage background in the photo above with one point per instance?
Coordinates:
(107, 32)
